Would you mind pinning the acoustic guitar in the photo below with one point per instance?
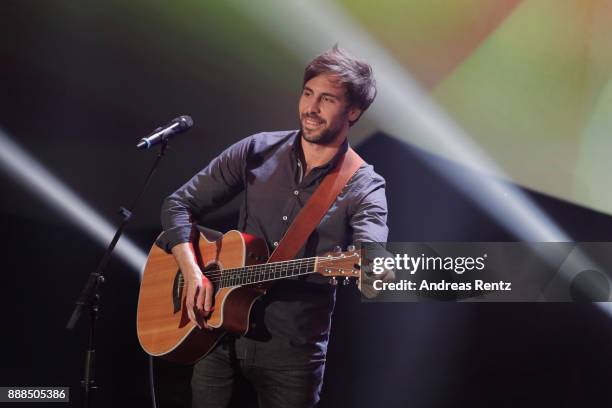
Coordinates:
(236, 266)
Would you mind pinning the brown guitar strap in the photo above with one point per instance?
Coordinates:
(321, 200)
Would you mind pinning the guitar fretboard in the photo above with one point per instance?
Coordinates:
(266, 272)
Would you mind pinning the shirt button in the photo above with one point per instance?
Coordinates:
(284, 218)
(296, 192)
(275, 244)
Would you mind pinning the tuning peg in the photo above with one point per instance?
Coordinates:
(337, 249)
(345, 282)
(333, 281)
(350, 248)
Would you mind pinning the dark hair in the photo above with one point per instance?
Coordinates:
(355, 74)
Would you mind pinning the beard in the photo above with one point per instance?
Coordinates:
(324, 135)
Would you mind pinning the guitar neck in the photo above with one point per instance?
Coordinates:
(267, 272)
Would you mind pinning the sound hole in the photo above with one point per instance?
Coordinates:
(177, 291)
(209, 272)
(179, 284)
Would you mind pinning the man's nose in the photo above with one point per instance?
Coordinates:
(313, 107)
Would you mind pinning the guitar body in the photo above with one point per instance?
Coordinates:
(163, 326)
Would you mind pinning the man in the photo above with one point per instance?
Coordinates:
(283, 355)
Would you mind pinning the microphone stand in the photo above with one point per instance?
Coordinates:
(90, 296)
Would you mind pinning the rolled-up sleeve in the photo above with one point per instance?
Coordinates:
(369, 219)
(211, 188)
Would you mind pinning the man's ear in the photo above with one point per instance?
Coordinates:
(354, 113)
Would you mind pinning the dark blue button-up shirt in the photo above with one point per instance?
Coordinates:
(293, 319)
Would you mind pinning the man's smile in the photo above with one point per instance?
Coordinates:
(312, 122)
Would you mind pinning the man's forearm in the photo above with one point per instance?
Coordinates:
(185, 257)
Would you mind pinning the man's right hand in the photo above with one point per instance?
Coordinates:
(198, 296)
(199, 290)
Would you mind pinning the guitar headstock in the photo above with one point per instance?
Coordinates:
(346, 264)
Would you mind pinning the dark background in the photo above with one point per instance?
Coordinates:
(80, 85)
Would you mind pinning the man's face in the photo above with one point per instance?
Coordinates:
(324, 109)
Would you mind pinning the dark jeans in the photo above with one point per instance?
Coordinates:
(216, 377)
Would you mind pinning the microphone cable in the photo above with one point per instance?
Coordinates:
(152, 382)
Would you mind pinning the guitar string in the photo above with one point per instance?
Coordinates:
(280, 264)
(226, 285)
(274, 268)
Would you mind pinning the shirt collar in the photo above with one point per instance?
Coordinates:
(298, 154)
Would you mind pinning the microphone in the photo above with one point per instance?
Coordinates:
(177, 125)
